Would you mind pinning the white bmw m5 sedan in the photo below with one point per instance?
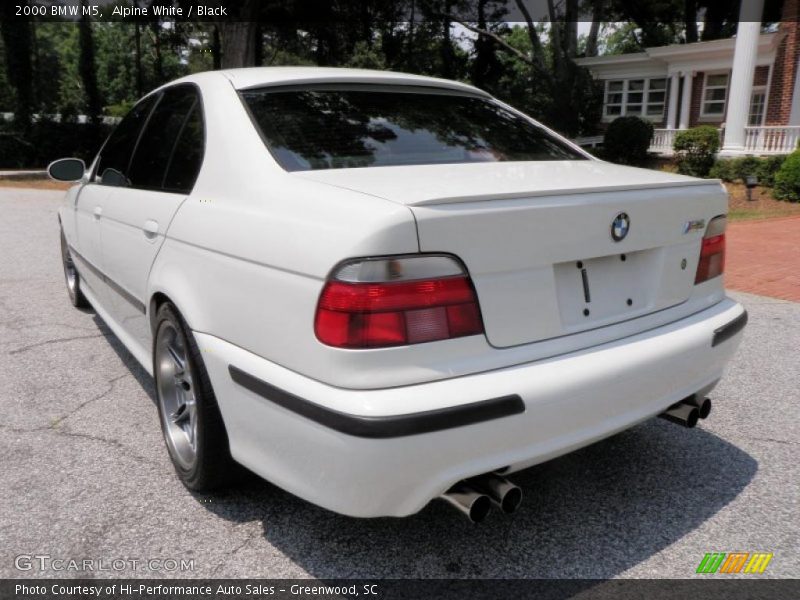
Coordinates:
(376, 289)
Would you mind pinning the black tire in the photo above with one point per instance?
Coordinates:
(71, 276)
(212, 467)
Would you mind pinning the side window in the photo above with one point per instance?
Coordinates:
(187, 157)
(115, 155)
(161, 144)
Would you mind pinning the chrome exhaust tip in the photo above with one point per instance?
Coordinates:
(703, 405)
(503, 494)
(681, 414)
(470, 502)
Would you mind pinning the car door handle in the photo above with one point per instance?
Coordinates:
(150, 228)
(98, 212)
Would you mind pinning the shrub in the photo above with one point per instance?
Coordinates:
(695, 150)
(47, 141)
(627, 139)
(767, 169)
(787, 179)
(722, 169)
(745, 167)
(738, 169)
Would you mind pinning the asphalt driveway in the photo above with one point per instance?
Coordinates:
(85, 473)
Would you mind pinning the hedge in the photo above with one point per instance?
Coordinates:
(627, 140)
(695, 150)
(46, 141)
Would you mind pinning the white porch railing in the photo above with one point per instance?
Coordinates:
(771, 140)
(758, 140)
(662, 140)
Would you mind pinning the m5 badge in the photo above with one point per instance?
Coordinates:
(695, 225)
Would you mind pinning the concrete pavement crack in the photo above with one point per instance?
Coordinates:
(774, 441)
(55, 341)
(111, 383)
(238, 548)
(54, 426)
(74, 434)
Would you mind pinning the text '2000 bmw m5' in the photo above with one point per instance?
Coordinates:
(376, 289)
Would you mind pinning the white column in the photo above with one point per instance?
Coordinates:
(740, 89)
(794, 115)
(686, 100)
(672, 108)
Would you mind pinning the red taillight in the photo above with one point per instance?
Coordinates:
(356, 314)
(712, 251)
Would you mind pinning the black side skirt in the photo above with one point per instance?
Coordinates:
(382, 427)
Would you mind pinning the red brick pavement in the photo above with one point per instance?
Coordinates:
(763, 257)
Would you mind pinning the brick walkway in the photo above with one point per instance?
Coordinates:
(763, 257)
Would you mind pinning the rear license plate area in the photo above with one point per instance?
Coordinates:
(597, 291)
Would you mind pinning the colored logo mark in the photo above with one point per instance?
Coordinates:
(734, 562)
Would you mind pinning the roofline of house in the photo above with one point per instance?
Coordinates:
(767, 43)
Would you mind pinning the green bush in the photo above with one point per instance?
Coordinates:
(627, 139)
(787, 179)
(768, 168)
(722, 169)
(745, 166)
(738, 169)
(695, 150)
(47, 141)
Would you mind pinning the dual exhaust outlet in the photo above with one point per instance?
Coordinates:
(475, 497)
(688, 411)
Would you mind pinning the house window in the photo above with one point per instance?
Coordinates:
(656, 96)
(758, 101)
(640, 97)
(715, 93)
(615, 96)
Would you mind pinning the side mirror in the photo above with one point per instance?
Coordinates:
(67, 169)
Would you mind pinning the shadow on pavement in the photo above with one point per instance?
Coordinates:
(142, 377)
(591, 514)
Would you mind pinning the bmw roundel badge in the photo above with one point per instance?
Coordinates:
(620, 227)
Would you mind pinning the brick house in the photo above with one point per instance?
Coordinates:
(747, 86)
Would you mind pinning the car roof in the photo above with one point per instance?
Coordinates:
(257, 77)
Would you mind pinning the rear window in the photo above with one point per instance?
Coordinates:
(320, 128)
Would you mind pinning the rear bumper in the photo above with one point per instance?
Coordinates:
(363, 453)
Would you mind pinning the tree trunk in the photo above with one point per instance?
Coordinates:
(555, 40)
(17, 41)
(238, 44)
(239, 36)
(86, 67)
(447, 45)
(258, 46)
(158, 63)
(571, 29)
(594, 29)
(216, 49)
(483, 49)
(690, 17)
(137, 37)
(537, 53)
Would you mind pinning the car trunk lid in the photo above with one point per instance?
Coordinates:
(537, 237)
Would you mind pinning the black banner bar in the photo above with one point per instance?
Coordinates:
(749, 587)
(322, 11)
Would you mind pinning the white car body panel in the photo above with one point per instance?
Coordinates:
(84, 211)
(246, 254)
(134, 222)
